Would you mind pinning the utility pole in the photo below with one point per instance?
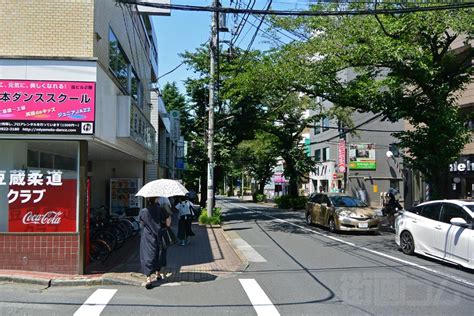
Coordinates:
(212, 101)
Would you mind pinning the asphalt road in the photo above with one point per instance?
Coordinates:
(294, 269)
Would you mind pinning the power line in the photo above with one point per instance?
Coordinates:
(165, 74)
(299, 13)
(348, 130)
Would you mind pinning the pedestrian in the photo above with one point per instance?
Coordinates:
(185, 217)
(152, 255)
(391, 207)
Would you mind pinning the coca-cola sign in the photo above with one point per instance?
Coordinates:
(55, 211)
(49, 218)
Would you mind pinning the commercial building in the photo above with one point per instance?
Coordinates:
(76, 85)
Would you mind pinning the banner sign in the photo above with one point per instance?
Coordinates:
(47, 107)
(341, 156)
(362, 156)
(40, 204)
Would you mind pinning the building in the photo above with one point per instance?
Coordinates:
(462, 170)
(75, 131)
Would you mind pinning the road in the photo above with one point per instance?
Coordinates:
(294, 269)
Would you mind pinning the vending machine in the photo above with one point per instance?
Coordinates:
(122, 195)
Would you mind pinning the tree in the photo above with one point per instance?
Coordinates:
(259, 157)
(405, 68)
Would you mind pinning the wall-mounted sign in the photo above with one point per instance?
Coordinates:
(463, 164)
(47, 107)
(40, 202)
(362, 156)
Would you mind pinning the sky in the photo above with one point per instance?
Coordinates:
(185, 30)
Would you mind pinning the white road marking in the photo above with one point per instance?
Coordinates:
(260, 301)
(96, 302)
(448, 276)
(251, 254)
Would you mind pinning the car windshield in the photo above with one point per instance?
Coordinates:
(471, 207)
(346, 201)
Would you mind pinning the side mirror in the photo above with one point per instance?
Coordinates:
(458, 221)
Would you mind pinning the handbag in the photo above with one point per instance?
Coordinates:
(168, 238)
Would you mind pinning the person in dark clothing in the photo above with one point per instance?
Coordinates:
(391, 207)
(152, 255)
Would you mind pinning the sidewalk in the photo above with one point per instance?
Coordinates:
(208, 256)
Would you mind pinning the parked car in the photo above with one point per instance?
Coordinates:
(439, 229)
(341, 212)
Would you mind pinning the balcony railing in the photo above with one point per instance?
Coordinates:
(133, 124)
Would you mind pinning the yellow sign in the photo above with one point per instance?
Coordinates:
(376, 188)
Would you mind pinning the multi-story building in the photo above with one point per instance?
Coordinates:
(75, 130)
(364, 163)
(462, 170)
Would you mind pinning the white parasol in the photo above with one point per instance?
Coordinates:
(162, 187)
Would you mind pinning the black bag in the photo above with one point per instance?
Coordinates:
(168, 238)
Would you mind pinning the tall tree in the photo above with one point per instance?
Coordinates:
(411, 66)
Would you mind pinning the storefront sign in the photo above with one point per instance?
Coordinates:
(40, 203)
(464, 164)
(47, 107)
(362, 156)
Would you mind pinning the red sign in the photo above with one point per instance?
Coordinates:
(52, 209)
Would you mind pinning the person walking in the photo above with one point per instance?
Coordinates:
(185, 217)
(152, 256)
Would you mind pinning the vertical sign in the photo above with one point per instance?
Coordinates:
(342, 155)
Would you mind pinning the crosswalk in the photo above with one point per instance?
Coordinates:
(97, 302)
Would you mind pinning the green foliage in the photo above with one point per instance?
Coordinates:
(287, 202)
(215, 219)
(402, 67)
(257, 197)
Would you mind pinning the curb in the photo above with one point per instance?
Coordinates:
(245, 263)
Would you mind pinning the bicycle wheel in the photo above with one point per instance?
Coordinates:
(108, 237)
(99, 250)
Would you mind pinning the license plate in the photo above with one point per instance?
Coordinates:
(363, 225)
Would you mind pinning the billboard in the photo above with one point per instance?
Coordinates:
(41, 205)
(47, 107)
(362, 156)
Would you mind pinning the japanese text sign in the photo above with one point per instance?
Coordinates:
(40, 202)
(47, 107)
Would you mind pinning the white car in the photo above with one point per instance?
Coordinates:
(442, 229)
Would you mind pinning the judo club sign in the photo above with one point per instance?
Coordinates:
(39, 202)
(47, 107)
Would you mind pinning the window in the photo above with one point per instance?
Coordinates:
(46, 160)
(46, 171)
(318, 198)
(431, 211)
(326, 152)
(451, 211)
(33, 158)
(317, 155)
(317, 128)
(325, 124)
(136, 88)
(118, 61)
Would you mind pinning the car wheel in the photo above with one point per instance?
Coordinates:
(407, 243)
(332, 225)
(308, 218)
